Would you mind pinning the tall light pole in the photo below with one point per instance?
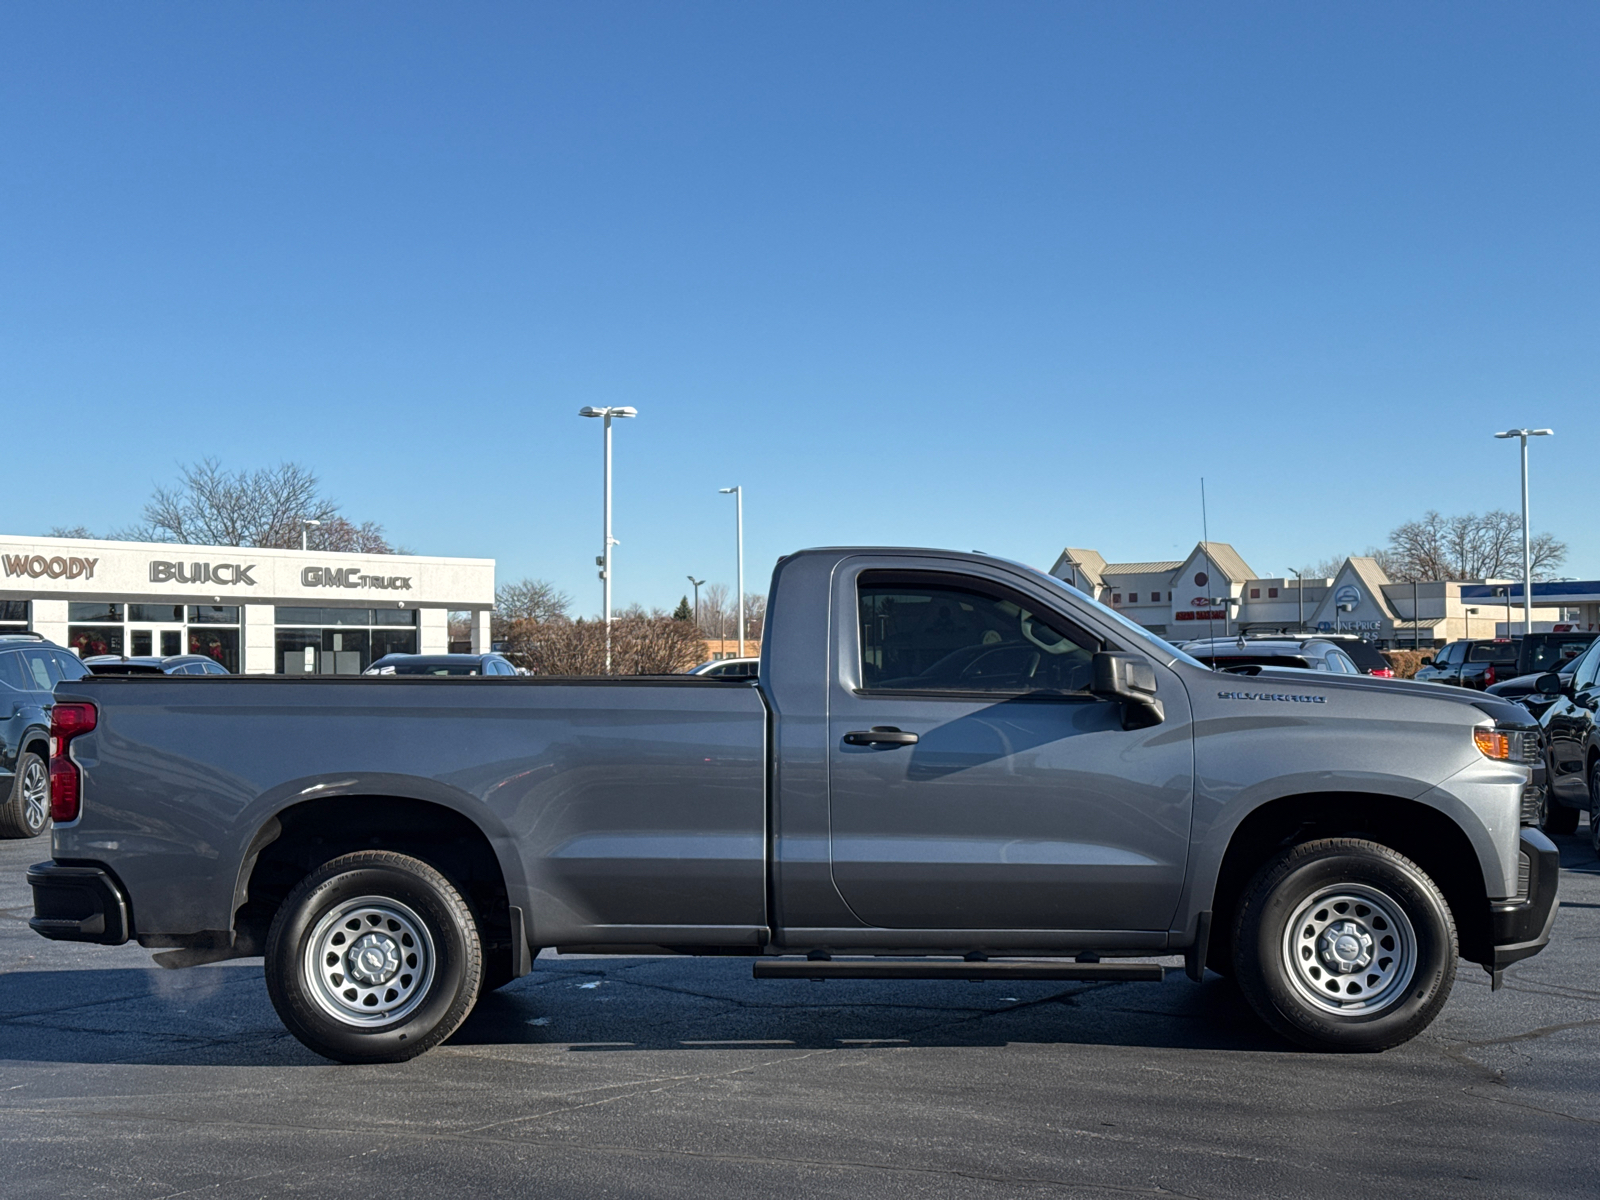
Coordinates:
(603, 561)
(1523, 435)
(304, 526)
(697, 583)
(738, 496)
(1300, 596)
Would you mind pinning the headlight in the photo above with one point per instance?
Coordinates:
(1507, 745)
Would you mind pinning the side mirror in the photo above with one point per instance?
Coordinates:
(1428, 661)
(1548, 684)
(1130, 680)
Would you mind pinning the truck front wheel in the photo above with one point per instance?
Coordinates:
(1343, 944)
(374, 957)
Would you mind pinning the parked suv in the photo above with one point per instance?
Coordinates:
(174, 664)
(1250, 655)
(1472, 664)
(1572, 747)
(30, 667)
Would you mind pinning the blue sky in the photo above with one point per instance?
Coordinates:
(998, 276)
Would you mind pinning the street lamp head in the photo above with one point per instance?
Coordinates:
(589, 410)
(727, 491)
(1526, 433)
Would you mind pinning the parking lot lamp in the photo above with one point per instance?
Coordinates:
(1300, 596)
(1522, 435)
(1469, 613)
(738, 498)
(304, 526)
(697, 583)
(604, 560)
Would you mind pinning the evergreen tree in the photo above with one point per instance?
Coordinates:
(683, 612)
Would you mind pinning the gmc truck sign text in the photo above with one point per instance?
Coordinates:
(351, 577)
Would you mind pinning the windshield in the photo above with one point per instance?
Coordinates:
(417, 668)
(1160, 645)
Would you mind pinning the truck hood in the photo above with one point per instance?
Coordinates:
(1476, 705)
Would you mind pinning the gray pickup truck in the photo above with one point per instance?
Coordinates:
(950, 767)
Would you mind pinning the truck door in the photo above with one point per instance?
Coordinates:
(975, 783)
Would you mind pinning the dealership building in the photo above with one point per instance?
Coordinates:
(1213, 592)
(258, 612)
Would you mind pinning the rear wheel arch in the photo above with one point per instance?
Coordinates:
(1425, 835)
(299, 839)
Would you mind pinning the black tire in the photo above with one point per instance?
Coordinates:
(26, 811)
(1372, 954)
(1594, 807)
(1557, 819)
(403, 928)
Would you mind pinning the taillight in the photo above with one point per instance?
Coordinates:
(1383, 672)
(67, 721)
(1488, 675)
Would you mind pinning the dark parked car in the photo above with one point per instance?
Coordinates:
(30, 667)
(172, 664)
(1477, 663)
(1572, 747)
(1524, 689)
(1250, 655)
(442, 664)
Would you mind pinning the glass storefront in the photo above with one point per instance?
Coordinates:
(14, 616)
(340, 641)
(156, 630)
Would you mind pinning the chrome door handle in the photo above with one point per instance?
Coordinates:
(880, 735)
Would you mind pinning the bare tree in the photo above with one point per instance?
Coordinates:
(262, 508)
(755, 615)
(527, 600)
(1467, 547)
(716, 611)
(69, 531)
(641, 644)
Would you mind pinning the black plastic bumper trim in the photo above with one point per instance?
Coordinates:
(1521, 928)
(78, 904)
(767, 968)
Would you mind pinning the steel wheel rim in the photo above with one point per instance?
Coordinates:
(1350, 949)
(35, 795)
(369, 961)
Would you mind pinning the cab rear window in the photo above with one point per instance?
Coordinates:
(1495, 652)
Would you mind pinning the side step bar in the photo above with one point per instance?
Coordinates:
(891, 968)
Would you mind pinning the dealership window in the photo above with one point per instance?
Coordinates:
(94, 613)
(1272, 593)
(1255, 593)
(14, 615)
(340, 641)
(1116, 598)
(89, 640)
(1133, 597)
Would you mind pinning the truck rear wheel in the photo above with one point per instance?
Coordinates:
(26, 811)
(374, 957)
(1343, 944)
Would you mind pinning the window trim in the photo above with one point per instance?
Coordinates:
(994, 590)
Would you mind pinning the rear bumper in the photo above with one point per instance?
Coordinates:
(1521, 927)
(79, 904)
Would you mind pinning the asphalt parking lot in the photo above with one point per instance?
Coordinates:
(675, 1077)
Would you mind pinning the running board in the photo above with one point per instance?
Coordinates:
(890, 968)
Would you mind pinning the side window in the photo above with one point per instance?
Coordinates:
(1588, 670)
(12, 673)
(934, 633)
(70, 666)
(1343, 663)
(42, 672)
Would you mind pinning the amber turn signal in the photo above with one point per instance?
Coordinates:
(1492, 743)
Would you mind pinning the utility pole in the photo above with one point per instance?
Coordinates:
(738, 495)
(1300, 597)
(604, 559)
(1527, 557)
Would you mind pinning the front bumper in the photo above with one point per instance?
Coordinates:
(79, 904)
(1520, 927)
